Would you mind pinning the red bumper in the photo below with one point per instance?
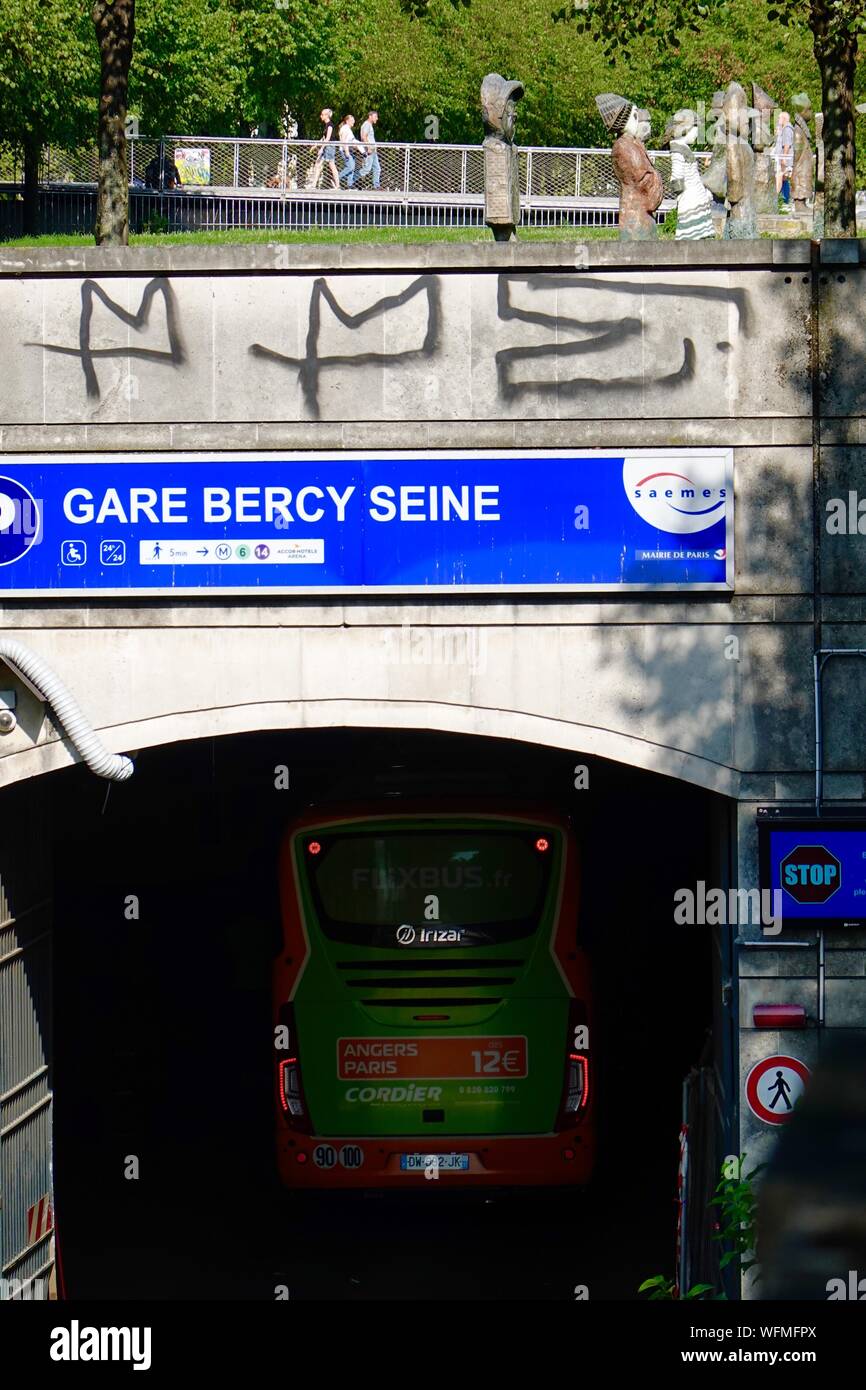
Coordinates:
(548, 1160)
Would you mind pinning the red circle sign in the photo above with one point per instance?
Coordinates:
(774, 1086)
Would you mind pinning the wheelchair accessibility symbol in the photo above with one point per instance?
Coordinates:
(73, 552)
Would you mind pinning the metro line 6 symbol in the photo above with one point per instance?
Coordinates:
(19, 520)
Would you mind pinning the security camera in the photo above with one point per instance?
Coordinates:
(8, 721)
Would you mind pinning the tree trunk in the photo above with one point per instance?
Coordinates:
(836, 52)
(114, 21)
(32, 155)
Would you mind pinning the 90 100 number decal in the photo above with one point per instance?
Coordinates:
(350, 1156)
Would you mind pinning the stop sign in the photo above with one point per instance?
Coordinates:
(811, 874)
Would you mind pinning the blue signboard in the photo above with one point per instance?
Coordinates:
(820, 871)
(338, 523)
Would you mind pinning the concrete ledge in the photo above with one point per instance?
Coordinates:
(280, 258)
(556, 611)
(139, 437)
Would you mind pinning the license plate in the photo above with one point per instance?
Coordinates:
(446, 1163)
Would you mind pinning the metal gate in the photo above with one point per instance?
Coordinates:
(26, 1194)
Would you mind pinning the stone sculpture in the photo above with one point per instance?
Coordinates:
(501, 172)
(714, 176)
(694, 199)
(734, 179)
(763, 143)
(641, 187)
(742, 222)
(803, 177)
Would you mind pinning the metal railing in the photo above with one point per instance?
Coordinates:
(294, 166)
(285, 184)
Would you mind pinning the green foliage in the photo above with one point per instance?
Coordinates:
(663, 1288)
(221, 67)
(186, 66)
(737, 1203)
(154, 225)
(49, 72)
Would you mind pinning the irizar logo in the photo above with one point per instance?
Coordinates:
(429, 936)
(669, 500)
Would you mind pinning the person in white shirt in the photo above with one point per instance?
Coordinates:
(368, 140)
(347, 144)
(783, 153)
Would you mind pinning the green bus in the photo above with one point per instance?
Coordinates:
(432, 1001)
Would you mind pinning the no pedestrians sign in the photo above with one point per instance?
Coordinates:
(773, 1087)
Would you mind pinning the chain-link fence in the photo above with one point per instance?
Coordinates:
(224, 183)
(297, 165)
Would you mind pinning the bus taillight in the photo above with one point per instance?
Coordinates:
(577, 1083)
(575, 1087)
(289, 1085)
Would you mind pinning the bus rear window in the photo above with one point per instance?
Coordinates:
(479, 879)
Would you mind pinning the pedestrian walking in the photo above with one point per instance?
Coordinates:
(325, 151)
(368, 141)
(783, 153)
(347, 144)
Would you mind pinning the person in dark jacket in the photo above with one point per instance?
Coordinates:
(164, 176)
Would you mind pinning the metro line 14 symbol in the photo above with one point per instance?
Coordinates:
(773, 1087)
(810, 874)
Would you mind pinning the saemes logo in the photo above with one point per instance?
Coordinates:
(669, 500)
(429, 936)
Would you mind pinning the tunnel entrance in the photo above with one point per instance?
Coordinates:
(166, 923)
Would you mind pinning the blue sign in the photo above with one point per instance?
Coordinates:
(409, 522)
(820, 872)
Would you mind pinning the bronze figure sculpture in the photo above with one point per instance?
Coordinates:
(641, 187)
(501, 172)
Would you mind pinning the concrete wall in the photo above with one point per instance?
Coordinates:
(452, 346)
(753, 345)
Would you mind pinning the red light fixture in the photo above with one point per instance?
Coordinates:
(314, 847)
(779, 1016)
(300, 1157)
(542, 844)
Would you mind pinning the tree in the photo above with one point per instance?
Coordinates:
(114, 21)
(291, 55)
(48, 78)
(188, 69)
(835, 26)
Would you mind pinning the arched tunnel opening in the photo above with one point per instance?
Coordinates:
(167, 923)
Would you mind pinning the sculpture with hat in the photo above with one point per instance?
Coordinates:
(499, 96)
(803, 176)
(641, 187)
(694, 199)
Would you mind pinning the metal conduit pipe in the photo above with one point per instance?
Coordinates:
(50, 688)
